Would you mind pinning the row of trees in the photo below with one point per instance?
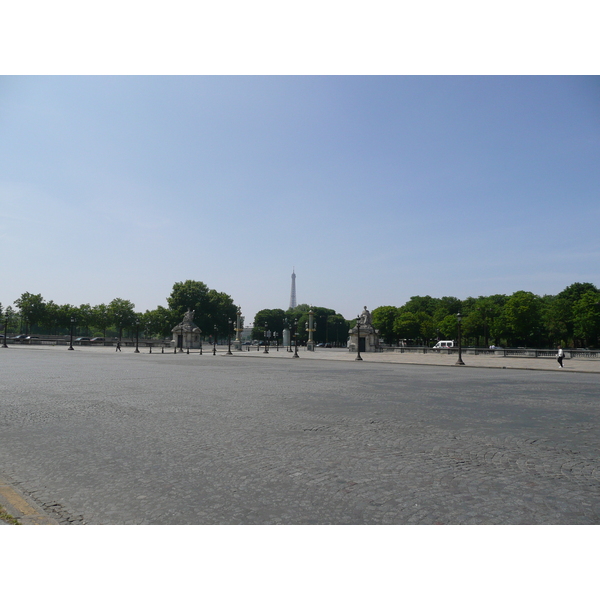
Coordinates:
(35, 315)
(330, 326)
(570, 318)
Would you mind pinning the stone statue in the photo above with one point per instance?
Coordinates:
(188, 318)
(365, 318)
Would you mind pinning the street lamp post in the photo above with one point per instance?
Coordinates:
(215, 341)
(238, 330)
(137, 336)
(5, 333)
(295, 339)
(266, 350)
(358, 356)
(286, 325)
(229, 338)
(311, 328)
(119, 325)
(460, 360)
(71, 342)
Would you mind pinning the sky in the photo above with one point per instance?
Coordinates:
(373, 188)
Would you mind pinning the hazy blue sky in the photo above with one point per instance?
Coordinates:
(375, 189)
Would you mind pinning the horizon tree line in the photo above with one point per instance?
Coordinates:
(34, 315)
(570, 318)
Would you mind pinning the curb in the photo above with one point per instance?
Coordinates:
(21, 508)
(426, 364)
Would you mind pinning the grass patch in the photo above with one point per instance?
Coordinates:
(4, 516)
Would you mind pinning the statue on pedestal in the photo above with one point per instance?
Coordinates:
(368, 341)
(187, 333)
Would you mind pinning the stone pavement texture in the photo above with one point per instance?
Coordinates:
(97, 437)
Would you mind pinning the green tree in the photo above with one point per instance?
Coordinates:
(64, 313)
(221, 311)
(557, 319)
(100, 318)
(84, 318)
(383, 320)
(406, 326)
(448, 327)
(425, 304)
(571, 295)
(31, 307)
(159, 321)
(586, 320)
(273, 317)
(122, 314)
(522, 313)
(211, 307)
(49, 321)
(12, 318)
(337, 330)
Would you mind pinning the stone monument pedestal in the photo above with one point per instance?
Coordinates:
(368, 341)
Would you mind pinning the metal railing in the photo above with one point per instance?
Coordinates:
(502, 352)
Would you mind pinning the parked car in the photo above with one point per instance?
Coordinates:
(82, 339)
(97, 339)
(19, 338)
(32, 337)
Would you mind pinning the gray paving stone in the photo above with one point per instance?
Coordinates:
(97, 437)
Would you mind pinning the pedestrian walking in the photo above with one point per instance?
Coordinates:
(559, 357)
(118, 348)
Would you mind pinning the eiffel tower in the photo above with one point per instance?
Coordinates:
(293, 294)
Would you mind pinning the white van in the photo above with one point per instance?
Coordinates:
(444, 344)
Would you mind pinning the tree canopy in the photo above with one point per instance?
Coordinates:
(572, 317)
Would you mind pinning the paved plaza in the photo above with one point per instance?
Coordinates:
(98, 437)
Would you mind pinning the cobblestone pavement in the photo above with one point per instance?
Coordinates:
(97, 437)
